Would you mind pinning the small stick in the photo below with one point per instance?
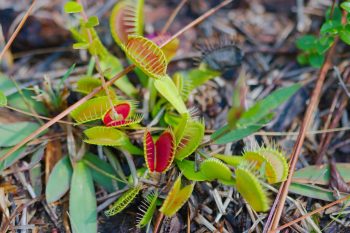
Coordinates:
(158, 222)
(18, 28)
(172, 17)
(310, 214)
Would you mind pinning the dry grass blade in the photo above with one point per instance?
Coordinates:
(311, 213)
(15, 33)
(115, 78)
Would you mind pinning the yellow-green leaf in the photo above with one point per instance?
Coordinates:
(147, 56)
(190, 140)
(123, 201)
(168, 90)
(105, 136)
(213, 169)
(176, 198)
(250, 188)
(72, 7)
(3, 99)
(92, 109)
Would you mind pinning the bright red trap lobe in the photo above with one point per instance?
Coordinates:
(122, 109)
(164, 151)
(150, 152)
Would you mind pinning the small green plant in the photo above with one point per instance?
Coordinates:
(314, 47)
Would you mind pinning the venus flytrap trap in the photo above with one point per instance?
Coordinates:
(147, 209)
(159, 155)
(123, 201)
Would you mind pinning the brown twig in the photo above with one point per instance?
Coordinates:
(18, 28)
(334, 119)
(311, 213)
(172, 17)
(115, 78)
(276, 211)
(158, 222)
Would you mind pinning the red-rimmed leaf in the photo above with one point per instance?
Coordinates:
(137, 118)
(150, 151)
(124, 117)
(165, 151)
(147, 56)
(126, 19)
(123, 111)
(159, 155)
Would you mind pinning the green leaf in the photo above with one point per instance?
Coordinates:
(320, 174)
(13, 133)
(176, 198)
(306, 42)
(72, 7)
(316, 60)
(233, 160)
(59, 180)
(303, 59)
(250, 188)
(213, 169)
(345, 6)
(168, 90)
(148, 210)
(3, 99)
(234, 135)
(336, 16)
(187, 167)
(26, 102)
(200, 76)
(87, 84)
(35, 177)
(92, 109)
(263, 107)
(312, 191)
(106, 182)
(331, 27)
(82, 200)
(105, 136)
(92, 22)
(14, 157)
(345, 34)
(180, 127)
(190, 140)
(81, 45)
(123, 201)
(111, 66)
(324, 44)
